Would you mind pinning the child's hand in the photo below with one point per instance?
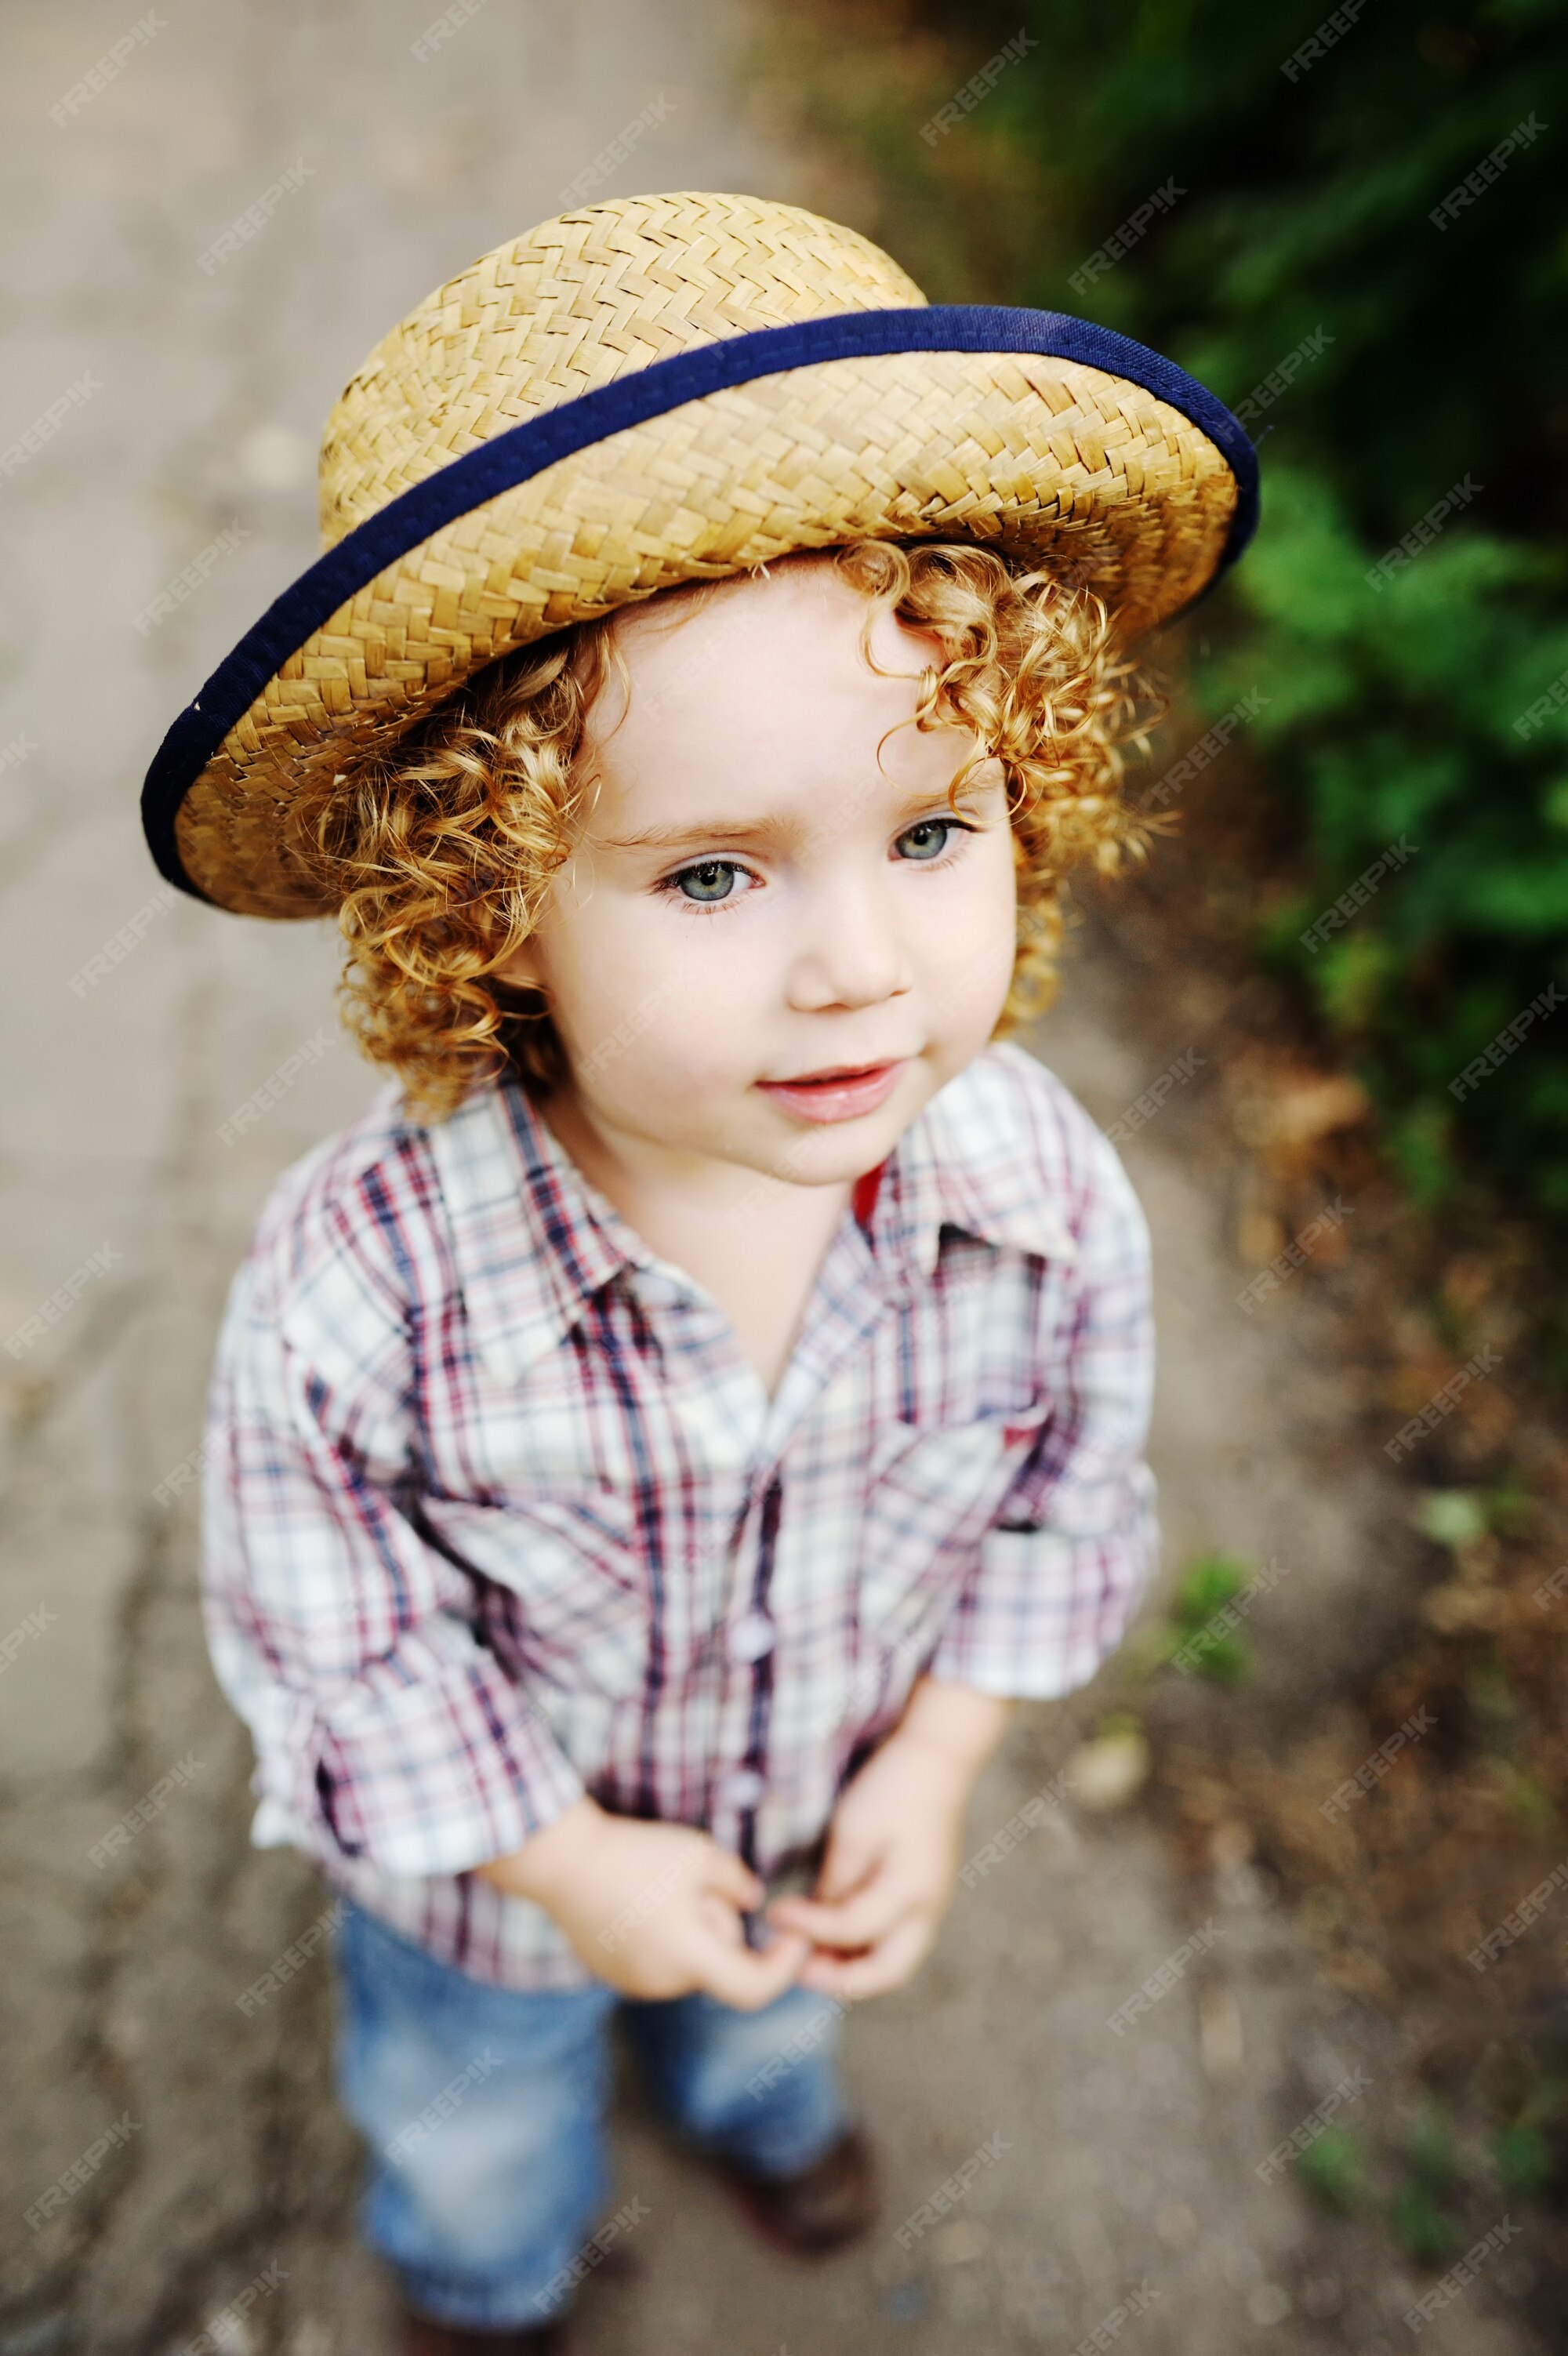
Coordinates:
(655, 1909)
(893, 1846)
(887, 1873)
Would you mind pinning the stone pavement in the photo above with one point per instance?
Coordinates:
(162, 394)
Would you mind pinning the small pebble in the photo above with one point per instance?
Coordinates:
(1109, 1772)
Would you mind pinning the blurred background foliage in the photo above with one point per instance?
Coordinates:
(1303, 220)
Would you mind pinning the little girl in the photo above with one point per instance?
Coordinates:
(652, 1447)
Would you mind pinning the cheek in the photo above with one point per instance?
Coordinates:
(640, 1007)
(975, 951)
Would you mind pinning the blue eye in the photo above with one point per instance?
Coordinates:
(721, 873)
(940, 828)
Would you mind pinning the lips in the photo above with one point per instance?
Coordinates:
(833, 1071)
(843, 1093)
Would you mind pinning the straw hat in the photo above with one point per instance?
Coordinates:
(666, 389)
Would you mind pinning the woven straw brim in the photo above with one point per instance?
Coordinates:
(1042, 458)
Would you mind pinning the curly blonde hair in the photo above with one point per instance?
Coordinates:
(440, 850)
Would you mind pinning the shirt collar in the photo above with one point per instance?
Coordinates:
(533, 1238)
(972, 1160)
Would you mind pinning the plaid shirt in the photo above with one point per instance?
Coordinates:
(497, 1510)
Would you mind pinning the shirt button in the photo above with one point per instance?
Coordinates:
(751, 1637)
(742, 1787)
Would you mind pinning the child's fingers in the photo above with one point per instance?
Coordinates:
(858, 1921)
(747, 1979)
(847, 1864)
(887, 1967)
(729, 1877)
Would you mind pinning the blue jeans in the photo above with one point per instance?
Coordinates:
(484, 2108)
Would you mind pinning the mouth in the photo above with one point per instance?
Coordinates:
(842, 1092)
(833, 1071)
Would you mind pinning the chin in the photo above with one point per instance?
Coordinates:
(826, 1155)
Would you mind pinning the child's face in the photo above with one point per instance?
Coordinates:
(805, 908)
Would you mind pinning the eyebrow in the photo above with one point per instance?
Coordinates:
(739, 831)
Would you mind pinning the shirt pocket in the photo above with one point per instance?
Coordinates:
(933, 1494)
(565, 1599)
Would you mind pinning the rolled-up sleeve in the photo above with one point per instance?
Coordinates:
(1076, 1540)
(384, 1728)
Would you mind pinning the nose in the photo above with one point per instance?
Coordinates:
(848, 945)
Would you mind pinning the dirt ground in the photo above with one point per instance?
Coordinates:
(1130, 2195)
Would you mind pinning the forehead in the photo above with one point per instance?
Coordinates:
(762, 685)
(799, 611)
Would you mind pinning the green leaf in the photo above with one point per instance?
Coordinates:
(1453, 1517)
(1333, 2171)
(1209, 1583)
(1427, 2232)
(1523, 2156)
(1432, 2155)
